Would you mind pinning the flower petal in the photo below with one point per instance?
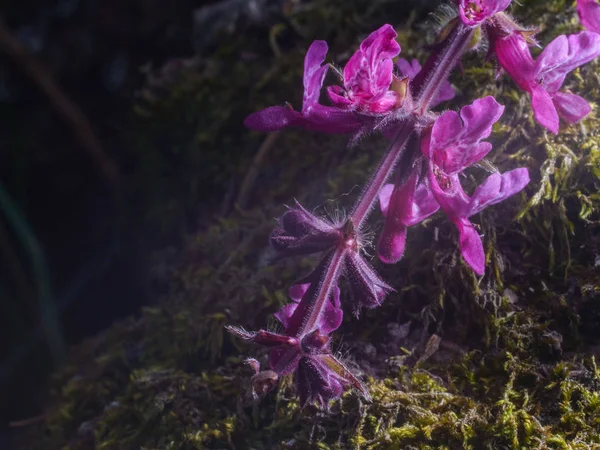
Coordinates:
(473, 12)
(589, 14)
(564, 54)
(571, 107)
(471, 246)
(454, 145)
(498, 187)
(314, 73)
(273, 118)
(384, 197)
(544, 110)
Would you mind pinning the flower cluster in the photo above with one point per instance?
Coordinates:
(375, 93)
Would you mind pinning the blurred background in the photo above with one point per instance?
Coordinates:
(105, 164)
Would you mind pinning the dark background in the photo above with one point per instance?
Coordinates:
(77, 242)
(93, 251)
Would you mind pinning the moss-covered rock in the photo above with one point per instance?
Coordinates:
(452, 361)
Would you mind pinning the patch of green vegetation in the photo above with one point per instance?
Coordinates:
(508, 361)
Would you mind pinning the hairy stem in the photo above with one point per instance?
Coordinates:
(307, 314)
(439, 65)
(364, 204)
(427, 83)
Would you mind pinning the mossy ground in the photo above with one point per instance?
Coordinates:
(508, 361)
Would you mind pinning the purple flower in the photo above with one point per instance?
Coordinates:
(368, 75)
(411, 69)
(474, 12)
(319, 375)
(589, 14)
(301, 233)
(370, 89)
(403, 206)
(454, 144)
(313, 116)
(544, 77)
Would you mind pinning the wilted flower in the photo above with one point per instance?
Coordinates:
(544, 77)
(454, 144)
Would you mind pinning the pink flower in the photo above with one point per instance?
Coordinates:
(474, 12)
(589, 14)
(369, 74)
(368, 90)
(403, 206)
(544, 77)
(454, 144)
(313, 116)
(411, 69)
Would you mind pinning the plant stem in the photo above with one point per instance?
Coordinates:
(308, 312)
(437, 68)
(427, 83)
(364, 204)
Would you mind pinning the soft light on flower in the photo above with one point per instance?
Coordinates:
(544, 77)
(313, 116)
(368, 75)
(454, 144)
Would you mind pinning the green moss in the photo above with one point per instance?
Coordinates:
(506, 361)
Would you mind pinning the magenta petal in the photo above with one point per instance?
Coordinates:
(332, 315)
(446, 130)
(408, 69)
(391, 244)
(369, 72)
(479, 117)
(297, 291)
(392, 241)
(473, 12)
(272, 118)
(543, 109)
(384, 198)
(571, 107)
(564, 54)
(424, 205)
(454, 144)
(471, 246)
(335, 94)
(514, 57)
(445, 93)
(497, 188)
(589, 14)
(314, 73)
